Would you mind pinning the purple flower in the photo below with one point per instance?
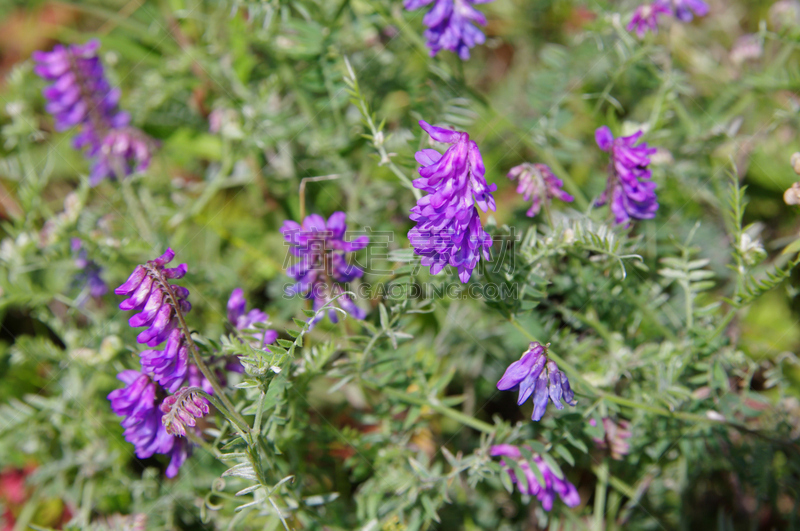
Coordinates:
(122, 152)
(90, 271)
(80, 96)
(242, 320)
(629, 189)
(451, 25)
(322, 249)
(537, 182)
(449, 229)
(614, 438)
(553, 484)
(148, 289)
(182, 409)
(685, 10)
(533, 374)
(645, 18)
(143, 420)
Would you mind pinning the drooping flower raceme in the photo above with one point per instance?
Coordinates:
(629, 191)
(451, 25)
(645, 18)
(80, 96)
(538, 183)
(449, 229)
(158, 302)
(323, 267)
(553, 484)
(534, 374)
(136, 402)
(614, 438)
(241, 319)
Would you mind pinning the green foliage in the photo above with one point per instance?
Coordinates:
(684, 326)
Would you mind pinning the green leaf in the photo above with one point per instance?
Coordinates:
(563, 452)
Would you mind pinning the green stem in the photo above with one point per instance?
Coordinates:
(228, 409)
(135, 209)
(600, 495)
(259, 414)
(454, 414)
(217, 403)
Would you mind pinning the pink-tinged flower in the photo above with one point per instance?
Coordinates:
(538, 183)
(553, 484)
(533, 374)
(629, 190)
(322, 248)
(645, 18)
(183, 409)
(614, 437)
(747, 47)
(449, 229)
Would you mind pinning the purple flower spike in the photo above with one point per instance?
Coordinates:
(80, 96)
(449, 229)
(182, 409)
(537, 182)
(242, 320)
(685, 10)
(170, 366)
(553, 484)
(629, 190)
(148, 290)
(451, 25)
(322, 249)
(645, 18)
(533, 374)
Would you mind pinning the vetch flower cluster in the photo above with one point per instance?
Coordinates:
(90, 271)
(645, 18)
(449, 229)
(534, 374)
(243, 320)
(136, 402)
(158, 302)
(553, 483)
(451, 25)
(323, 266)
(538, 183)
(629, 191)
(615, 437)
(183, 409)
(686, 10)
(80, 96)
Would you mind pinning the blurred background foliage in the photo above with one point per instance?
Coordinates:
(248, 97)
